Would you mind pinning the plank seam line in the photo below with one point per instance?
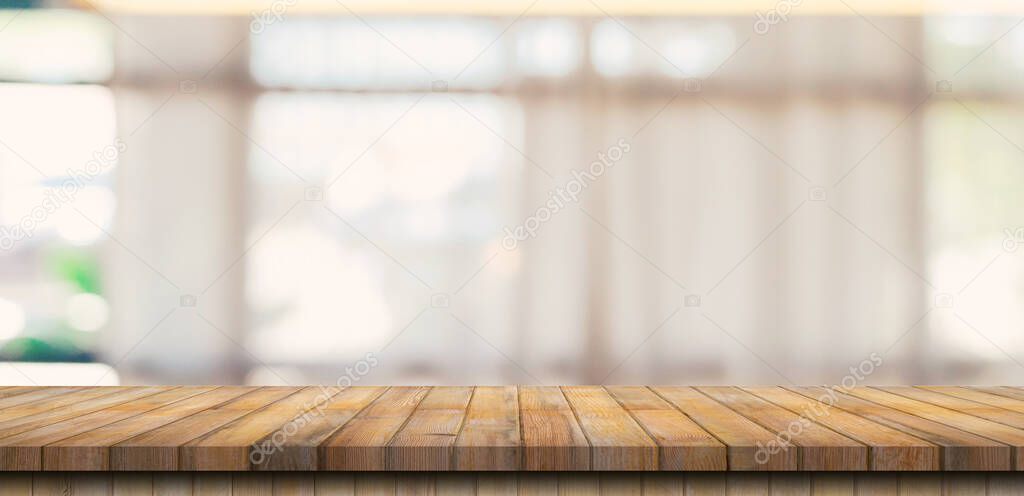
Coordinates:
(769, 430)
(116, 390)
(997, 391)
(303, 412)
(957, 409)
(336, 430)
(462, 425)
(70, 390)
(1013, 449)
(942, 447)
(658, 447)
(188, 416)
(202, 437)
(405, 422)
(129, 389)
(698, 424)
(519, 419)
(576, 415)
(43, 448)
(871, 449)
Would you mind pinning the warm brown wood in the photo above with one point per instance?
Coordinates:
(490, 435)
(231, 446)
(617, 441)
(961, 450)
(682, 444)
(508, 428)
(891, 449)
(24, 451)
(298, 448)
(426, 441)
(745, 439)
(552, 438)
(979, 396)
(90, 450)
(362, 443)
(982, 427)
(961, 404)
(505, 483)
(821, 448)
(158, 449)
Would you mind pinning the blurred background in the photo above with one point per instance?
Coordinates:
(308, 191)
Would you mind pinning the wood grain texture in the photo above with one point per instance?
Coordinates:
(746, 440)
(510, 484)
(427, 439)
(490, 436)
(820, 448)
(231, 447)
(552, 438)
(617, 441)
(891, 449)
(986, 428)
(961, 450)
(362, 443)
(682, 444)
(569, 429)
(158, 449)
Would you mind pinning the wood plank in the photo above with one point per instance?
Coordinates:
(961, 450)
(820, 447)
(211, 484)
(617, 441)
(231, 446)
(299, 449)
(960, 404)
(490, 435)
(335, 484)
(427, 439)
(24, 451)
(158, 449)
(1008, 392)
(979, 396)
(91, 450)
(85, 405)
(46, 399)
(552, 438)
(133, 484)
(682, 444)
(9, 391)
(361, 443)
(976, 425)
(891, 449)
(743, 438)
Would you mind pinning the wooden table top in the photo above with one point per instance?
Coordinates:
(578, 428)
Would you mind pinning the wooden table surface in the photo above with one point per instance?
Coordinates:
(527, 428)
